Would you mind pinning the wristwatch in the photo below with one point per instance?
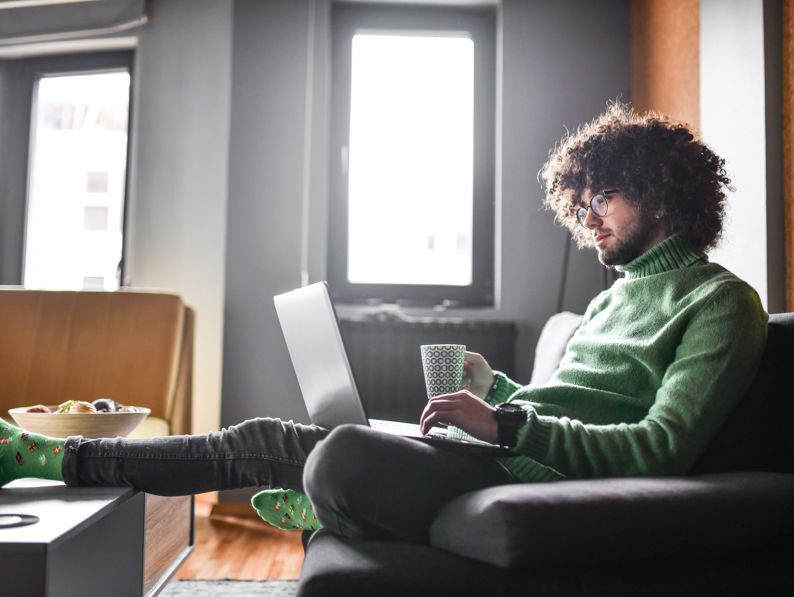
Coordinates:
(509, 419)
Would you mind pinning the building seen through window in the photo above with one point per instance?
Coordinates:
(77, 181)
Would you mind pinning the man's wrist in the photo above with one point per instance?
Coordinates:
(494, 387)
(509, 419)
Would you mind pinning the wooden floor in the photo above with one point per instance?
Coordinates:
(240, 547)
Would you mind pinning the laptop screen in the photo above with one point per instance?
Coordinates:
(310, 328)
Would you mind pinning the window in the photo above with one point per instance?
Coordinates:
(412, 155)
(77, 180)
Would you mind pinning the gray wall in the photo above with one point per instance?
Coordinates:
(177, 222)
(266, 162)
(13, 162)
(553, 75)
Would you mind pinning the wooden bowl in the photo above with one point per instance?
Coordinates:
(107, 424)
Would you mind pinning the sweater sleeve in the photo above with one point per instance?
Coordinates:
(712, 368)
(503, 387)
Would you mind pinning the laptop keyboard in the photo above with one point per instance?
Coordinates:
(412, 430)
(396, 427)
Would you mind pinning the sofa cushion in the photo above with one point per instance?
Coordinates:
(151, 426)
(607, 519)
(551, 344)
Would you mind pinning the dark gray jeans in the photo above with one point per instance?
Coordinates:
(362, 483)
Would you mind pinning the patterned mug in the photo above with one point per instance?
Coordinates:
(443, 367)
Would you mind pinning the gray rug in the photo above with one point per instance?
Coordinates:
(229, 588)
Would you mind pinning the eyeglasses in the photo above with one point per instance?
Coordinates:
(599, 205)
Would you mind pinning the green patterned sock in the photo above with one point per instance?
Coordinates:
(286, 509)
(24, 454)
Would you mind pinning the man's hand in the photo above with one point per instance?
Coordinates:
(478, 376)
(462, 409)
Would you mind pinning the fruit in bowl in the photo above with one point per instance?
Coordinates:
(77, 406)
(106, 405)
(103, 417)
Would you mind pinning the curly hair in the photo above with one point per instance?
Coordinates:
(657, 164)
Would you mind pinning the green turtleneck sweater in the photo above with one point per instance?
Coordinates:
(658, 363)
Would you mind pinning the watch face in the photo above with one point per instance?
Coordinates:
(506, 407)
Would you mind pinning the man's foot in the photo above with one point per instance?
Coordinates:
(286, 509)
(24, 454)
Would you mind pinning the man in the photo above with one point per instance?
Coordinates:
(658, 363)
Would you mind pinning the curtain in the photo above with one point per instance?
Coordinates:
(30, 22)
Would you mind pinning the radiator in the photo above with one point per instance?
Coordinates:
(384, 356)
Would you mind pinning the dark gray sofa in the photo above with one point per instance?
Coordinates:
(726, 529)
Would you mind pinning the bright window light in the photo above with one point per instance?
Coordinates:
(77, 183)
(411, 159)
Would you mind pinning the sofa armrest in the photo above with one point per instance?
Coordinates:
(605, 520)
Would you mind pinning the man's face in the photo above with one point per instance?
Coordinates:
(624, 233)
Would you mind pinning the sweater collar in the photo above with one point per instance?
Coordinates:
(670, 254)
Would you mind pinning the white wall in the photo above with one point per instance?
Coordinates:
(179, 174)
(735, 123)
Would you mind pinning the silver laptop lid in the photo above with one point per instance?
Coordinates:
(308, 322)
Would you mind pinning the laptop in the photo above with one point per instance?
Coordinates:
(311, 331)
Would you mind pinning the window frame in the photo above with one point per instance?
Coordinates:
(29, 72)
(479, 22)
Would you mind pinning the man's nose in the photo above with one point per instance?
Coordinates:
(592, 220)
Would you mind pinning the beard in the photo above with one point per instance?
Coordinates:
(632, 243)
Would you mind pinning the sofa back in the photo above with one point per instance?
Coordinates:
(134, 347)
(758, 435)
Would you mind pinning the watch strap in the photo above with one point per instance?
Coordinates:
(509, 419)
